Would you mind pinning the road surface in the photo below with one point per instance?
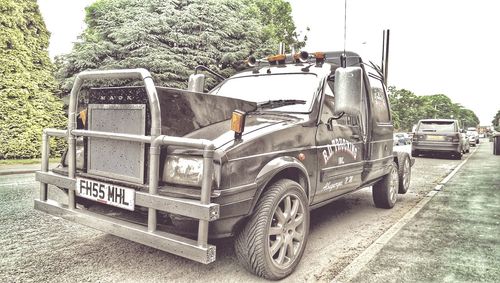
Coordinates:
(39, 247)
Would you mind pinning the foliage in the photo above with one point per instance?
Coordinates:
(27, 104)
(170, 38)
(496, 121)
(407, 108)
(276, 16)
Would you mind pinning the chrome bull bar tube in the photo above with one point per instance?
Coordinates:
(202, 210)
(46, 134)
(206, 186)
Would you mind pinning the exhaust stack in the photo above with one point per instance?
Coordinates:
(385, 54)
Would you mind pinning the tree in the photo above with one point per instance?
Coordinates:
(407, 108)
(170, 38)
(27, 103)
(496, 121)
(276, 16)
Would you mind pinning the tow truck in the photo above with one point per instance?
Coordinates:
(173, 169)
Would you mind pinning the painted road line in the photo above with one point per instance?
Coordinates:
(348, 273)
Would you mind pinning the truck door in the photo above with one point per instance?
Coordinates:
(379, 155)
(340, 149)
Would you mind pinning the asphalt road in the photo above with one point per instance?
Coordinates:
(39, 247)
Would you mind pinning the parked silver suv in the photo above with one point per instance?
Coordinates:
(438, 136)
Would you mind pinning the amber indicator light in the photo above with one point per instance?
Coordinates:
(238, 123)
(319, 55)
(83, 116)
(279, 58)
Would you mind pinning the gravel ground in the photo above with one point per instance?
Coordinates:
(37, 247)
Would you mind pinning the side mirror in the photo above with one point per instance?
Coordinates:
(196, 82)
(348, 89)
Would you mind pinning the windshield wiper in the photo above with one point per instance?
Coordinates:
(279, 103)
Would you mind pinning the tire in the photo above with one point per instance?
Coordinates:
(415, 153)
(266, 231)
(457, 155)
(404, 172)
(385, 191)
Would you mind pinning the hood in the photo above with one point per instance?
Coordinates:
(183, 112)
(221, 133)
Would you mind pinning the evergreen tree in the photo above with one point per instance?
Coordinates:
(27, 103)
(169, 38)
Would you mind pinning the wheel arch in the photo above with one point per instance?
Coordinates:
(283, 167)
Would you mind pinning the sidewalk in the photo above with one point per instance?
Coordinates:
(455, 237)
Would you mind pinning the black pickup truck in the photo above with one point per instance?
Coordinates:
(251, 158)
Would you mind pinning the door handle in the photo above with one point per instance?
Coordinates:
(356, 137)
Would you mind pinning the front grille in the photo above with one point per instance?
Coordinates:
(112, 158)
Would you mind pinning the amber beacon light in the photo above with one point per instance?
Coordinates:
(238, 123)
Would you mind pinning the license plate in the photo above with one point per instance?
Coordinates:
(435, 138)
(106, 193)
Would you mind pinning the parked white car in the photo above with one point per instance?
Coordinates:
(473, 136)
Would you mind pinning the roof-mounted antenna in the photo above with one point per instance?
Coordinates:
(343, 58)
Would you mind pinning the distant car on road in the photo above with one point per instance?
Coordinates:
(401, 139)
(473, 136)
(438, 136)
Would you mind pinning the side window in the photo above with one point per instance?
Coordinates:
(379, 101)
(328, 104)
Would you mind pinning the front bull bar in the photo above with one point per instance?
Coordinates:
(202, 210)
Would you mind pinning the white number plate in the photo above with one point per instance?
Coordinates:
(106, 193)
(435, 138)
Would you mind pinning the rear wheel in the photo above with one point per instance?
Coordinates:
(273, 240)
(404, 173)
(457, 155)
(385, 191)
(415, 152)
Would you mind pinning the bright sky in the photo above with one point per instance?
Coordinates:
(445, 46)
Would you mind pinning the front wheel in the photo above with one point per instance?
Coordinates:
(385, 191)
(273, 240)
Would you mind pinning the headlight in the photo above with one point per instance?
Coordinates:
(183, 170)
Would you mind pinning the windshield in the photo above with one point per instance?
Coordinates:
(437, 126)
(296, 90)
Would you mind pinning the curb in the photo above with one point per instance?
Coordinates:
(17, 171)
(351, 270)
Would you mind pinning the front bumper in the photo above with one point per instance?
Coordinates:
(201, 210)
